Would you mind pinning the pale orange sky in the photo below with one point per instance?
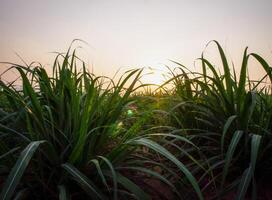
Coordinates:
(134, 33)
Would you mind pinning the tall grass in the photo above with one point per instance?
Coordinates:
(228, 117)
(61, 136)
(74, 135)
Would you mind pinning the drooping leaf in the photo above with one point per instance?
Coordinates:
(18, 170)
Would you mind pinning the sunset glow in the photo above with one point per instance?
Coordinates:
(130, 34)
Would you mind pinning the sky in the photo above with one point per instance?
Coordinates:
(134, 33)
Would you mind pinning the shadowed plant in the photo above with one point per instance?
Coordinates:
(62, 133)
(228, 118)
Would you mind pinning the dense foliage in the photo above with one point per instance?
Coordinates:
(74, 135)
(229, 119)
(67, 129)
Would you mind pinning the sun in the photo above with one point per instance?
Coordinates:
(153, 76)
